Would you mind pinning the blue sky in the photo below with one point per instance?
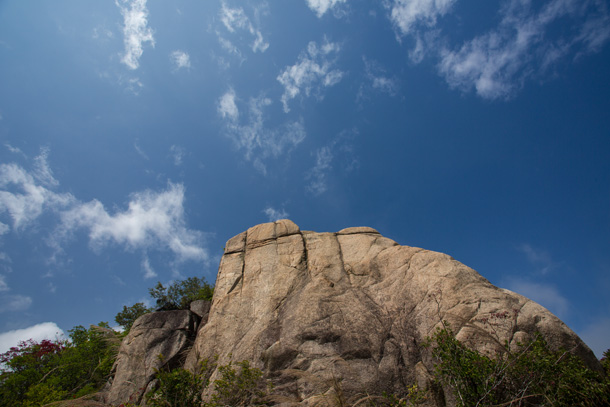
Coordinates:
(137, 136)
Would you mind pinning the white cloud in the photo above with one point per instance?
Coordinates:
(3, 284)
(596, 336)
(180, 59)
(378, 79)
(135, 30)
(257, 141)
(178, 153)
(45, 330)
(25, 196)
(545, 294)
(317, 175)
(320, 7)
(497, 63)
(149, 272)
(338, 150)
(139, 150)
(14, 303)
(235, 19)
(153, 220)
(275, 214)
(406, 14)
(312, 69)
(227, 107)
(14, 150)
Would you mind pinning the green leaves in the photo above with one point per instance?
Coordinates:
(36, 373)
(128, 316)
(239, 384)
(533, 374)
(182, 292)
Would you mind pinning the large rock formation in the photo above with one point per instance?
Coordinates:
(356, 306)
(310, 309)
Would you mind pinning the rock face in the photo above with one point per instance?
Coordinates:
(307, 308)
(167, 333)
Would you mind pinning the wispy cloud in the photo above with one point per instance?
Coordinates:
(45, 330)
(180, 59)
(317, 175)
(539, 258)
(14, 303)
(320, 7)
(152, 221)
(149, 272)
(407, 15)
(339, 149)
(250, 133)
(234, 20)
(377, 79)
(139, 150)
(227, 107)
(313, 71)
(275, 214)
(135, 30)
(497, 63)
(546, 295)
(178, 153)
(24, 196)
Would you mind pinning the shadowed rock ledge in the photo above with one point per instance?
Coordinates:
(356, 306)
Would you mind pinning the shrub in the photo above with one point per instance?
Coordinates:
(239, 384)
(530, 375)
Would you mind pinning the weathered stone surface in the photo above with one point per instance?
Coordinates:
(166, 333)
(356, 306)
(201, 308)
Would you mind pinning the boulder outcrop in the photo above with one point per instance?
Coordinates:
(316, 309)
(156, 340)
(310, 308)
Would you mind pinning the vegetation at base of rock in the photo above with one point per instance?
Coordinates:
(531, 375)
(35, 373)
(239, 384)
(177, 295)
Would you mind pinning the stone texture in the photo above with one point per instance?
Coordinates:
(308, 307)
(167, 333)
(201, 308)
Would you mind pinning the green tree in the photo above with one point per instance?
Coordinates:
(128, 315)
(36, 373)
(182, 292)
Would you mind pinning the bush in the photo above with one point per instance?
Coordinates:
(532, 375)
(239, 385)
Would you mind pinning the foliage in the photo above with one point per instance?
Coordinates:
(239, 384)
(35, 373)
(182, 292)
(128, 316)
(531, 375)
